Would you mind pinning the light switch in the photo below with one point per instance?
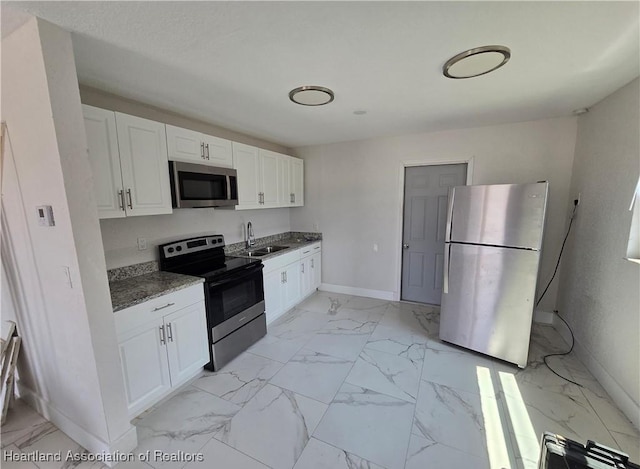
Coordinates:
(45, 215)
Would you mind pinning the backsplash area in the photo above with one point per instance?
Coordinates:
(120, 235)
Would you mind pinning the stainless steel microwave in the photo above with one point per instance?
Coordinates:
(198, 185)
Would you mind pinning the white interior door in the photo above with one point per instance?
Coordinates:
(426, 190)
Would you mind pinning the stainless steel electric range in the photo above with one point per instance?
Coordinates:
(234, 293)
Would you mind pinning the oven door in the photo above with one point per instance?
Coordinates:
(195, 185)
(234, 301)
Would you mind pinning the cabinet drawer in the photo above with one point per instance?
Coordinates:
(310, 250)
(280, 261)
(156, 308)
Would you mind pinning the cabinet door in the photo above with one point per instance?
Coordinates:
(273, 294)
(247, 163)
(143, 159)
(184, 145)
(316, 269)
(187, 342)
(297, 181)
(306, 277)
(217, 151)
(269, 178)
(284, 175)
(145, 366)
(292, 291)
(102, 143)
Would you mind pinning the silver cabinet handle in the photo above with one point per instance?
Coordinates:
(281, 277)
(130, 199)
(121, 196)
(291, 197)
(405, 246)
(312, 266)
(163, 339)
(163, 307)
(306, 252)
(207, 150)
(302, 265)
(294, 198)
(285, 277)
(170, 332)
(317, 247)
(202, 150)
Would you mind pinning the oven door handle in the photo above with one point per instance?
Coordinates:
(240, 275)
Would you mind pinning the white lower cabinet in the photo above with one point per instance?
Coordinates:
(316, 269)
(162, 344)
(289, 278)
(310, 269)
(145, 366)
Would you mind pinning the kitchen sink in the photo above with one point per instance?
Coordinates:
(265, 250)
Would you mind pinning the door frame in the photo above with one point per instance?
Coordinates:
(408, 164)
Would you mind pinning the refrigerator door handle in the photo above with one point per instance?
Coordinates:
(447, 254)
(447, 234)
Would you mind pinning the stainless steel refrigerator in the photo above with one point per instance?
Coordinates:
(493, 244)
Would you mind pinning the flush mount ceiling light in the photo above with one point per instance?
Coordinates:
(311, 95)
(475, 62)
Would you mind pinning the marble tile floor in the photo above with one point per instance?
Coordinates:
(352, 382)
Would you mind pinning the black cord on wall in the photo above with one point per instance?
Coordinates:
(573, 214)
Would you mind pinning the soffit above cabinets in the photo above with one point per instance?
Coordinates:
(234, 63)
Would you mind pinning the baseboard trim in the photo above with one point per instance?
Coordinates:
(123, 444)
(543, 317)
(378, 294)
(619, 396)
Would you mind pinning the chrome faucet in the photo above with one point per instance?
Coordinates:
(251, 240)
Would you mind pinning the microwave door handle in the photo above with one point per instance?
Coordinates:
(228, 178)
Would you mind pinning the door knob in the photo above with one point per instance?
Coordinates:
(405, 246)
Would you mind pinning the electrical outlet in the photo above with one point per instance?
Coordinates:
(316, 226)
(142, 244)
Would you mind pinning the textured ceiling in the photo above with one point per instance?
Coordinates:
(233, 63)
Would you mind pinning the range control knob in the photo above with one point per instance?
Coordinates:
(178, 248)
(170, 250)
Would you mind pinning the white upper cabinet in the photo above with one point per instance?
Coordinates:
(128, 158)
(269, 178)
(246, 162)
(143, 160)
(297, 182)
(218, 151)
(194, 147)
(284, 180)
(102, 142)
(184, 145)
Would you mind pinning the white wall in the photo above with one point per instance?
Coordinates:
(67, 324)
(120, 235)
(353, 193)
(600, 291)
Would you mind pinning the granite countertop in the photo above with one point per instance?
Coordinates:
(134, 290)
(290, 243)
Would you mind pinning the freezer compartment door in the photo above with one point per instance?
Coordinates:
(499, 215)
(489, 302)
